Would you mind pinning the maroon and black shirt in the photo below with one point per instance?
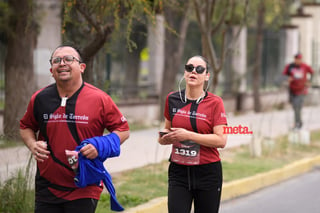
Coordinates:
(63, 126)
(299, 77)
(199, 117)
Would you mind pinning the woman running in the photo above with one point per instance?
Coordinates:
(194, 125)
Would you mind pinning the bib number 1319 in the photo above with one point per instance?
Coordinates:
(185, 152)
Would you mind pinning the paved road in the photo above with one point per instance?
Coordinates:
(299, 194)
(142, 147)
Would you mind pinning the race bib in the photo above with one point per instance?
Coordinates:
(298, 74)
(186, 153)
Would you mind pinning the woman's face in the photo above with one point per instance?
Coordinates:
(193, 78)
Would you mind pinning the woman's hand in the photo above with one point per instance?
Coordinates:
(174, 135)
(163, 137)
(217, 139)
(179, 134)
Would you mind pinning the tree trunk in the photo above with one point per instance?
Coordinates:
(19, 75)
(132, 74)
(100, 67)
(88, 75)
(205, 14)
(174, 48)
(258, 57)
(91, 49)
(132, 59)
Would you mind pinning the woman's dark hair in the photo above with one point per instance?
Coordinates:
(205, 60)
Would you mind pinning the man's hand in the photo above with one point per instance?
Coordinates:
(89, 151)
(39, 151)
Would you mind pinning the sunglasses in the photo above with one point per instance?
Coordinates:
(190, 68)
(68, 59)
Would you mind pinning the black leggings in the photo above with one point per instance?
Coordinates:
(86, 205)
(199, 184)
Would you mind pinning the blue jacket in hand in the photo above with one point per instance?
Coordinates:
(93, 171)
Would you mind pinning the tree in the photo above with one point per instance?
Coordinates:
(212, 16)
(92, 24)
(264, 15)
(132, 59)
(176, 15)
(21, 37)
(258, 56)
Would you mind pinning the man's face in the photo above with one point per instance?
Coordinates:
(65, 65)
(297, 61)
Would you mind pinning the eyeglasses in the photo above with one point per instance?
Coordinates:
(67, 59)
(190, 68)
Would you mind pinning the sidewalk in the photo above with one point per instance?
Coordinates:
(142, 147)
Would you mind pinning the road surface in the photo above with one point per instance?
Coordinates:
(296, 195)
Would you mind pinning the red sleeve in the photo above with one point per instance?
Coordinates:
(28, 121)
(166, 110)
(219, 114)
(309, 69)
(113, 118)
(285, 71)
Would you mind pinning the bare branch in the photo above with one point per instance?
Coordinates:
(184, 28)
(221, 19)
(211, 52)
(97, 42)
(85, 12)
(223, 52)
(212, 9)
(205, 32)
(206, 13)
(245, 12)
(232, 10)
(198, 15)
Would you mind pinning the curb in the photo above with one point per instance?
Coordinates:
(250, 184)
(157, 205)
(243, 186)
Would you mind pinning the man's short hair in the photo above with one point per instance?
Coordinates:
(68, 45)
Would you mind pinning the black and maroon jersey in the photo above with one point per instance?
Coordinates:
(198, 117)
(63, 124)
(299, 77)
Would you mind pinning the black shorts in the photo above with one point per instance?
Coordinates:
(200, 184)
(85, 205)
